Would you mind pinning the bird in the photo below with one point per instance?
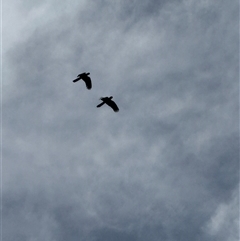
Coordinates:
(109, 102)
(84, 76)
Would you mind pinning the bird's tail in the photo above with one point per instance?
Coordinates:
(77, 79)
(100, 104)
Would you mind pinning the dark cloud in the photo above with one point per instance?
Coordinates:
(108, 234)
(164, 167)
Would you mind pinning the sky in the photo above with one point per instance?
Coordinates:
(166, 166)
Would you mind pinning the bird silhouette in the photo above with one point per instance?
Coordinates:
(109, 102)
(84, 76)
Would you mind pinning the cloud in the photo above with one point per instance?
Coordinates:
(224, 222)
(165, 166)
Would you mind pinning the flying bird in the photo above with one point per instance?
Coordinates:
(109, 102)
(84, 76)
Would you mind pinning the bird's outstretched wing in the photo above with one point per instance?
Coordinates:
(113, 105)
(87, 81)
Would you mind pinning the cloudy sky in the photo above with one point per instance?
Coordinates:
(165, 167)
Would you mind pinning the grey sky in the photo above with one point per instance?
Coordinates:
(166, 166)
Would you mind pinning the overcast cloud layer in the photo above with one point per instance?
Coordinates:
(166, 166)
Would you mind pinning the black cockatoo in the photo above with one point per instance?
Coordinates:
(109, 102)
(84, 76)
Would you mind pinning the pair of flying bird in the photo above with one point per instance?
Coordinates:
(105, 100)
